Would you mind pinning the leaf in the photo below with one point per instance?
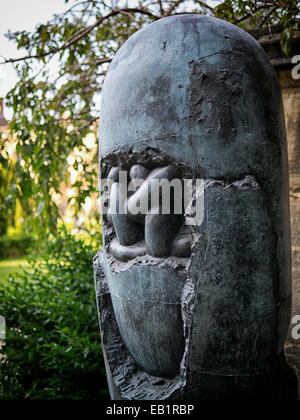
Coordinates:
(56, 96)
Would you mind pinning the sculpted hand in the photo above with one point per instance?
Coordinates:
(145, 215)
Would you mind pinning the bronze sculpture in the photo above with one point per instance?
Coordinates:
(194, 309)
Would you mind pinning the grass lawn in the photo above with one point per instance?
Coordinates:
(11, 266)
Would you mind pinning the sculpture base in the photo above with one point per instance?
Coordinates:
(127, 381)
(279, 385)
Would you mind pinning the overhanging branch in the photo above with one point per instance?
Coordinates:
(82, 33)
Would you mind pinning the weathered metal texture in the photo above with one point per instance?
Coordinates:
(235, 272)
(147, 306)
(199, 93)
(198, 88)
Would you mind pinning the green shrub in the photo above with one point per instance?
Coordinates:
(52, 348)
(3, 223)
(15, 246)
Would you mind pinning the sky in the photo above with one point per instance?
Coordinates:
(18, 15)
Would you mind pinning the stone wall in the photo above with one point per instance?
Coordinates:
(269, 39)
(291, 102)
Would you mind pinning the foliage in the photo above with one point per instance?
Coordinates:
(14, 207)
(52, 348)
(15, 246)
(7, 204)
(55, 102)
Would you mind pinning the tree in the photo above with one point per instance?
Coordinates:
(60, 79)
(7, 200)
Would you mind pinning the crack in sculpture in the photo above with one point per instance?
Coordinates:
(140, 231)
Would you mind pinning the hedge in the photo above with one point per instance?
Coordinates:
(15, 246)
(52, 348)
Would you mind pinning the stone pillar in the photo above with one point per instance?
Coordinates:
(291, 101)
(269, 39)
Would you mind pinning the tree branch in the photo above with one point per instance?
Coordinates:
(266, 16)
(173, 7)
(83, 127)
(82, 33)
(102, 61)
(252, 12)
(205, 5)
(74, 6)
(161, 9)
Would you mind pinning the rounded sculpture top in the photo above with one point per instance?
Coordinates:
(199, 90)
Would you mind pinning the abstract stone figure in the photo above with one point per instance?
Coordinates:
(194, 310)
